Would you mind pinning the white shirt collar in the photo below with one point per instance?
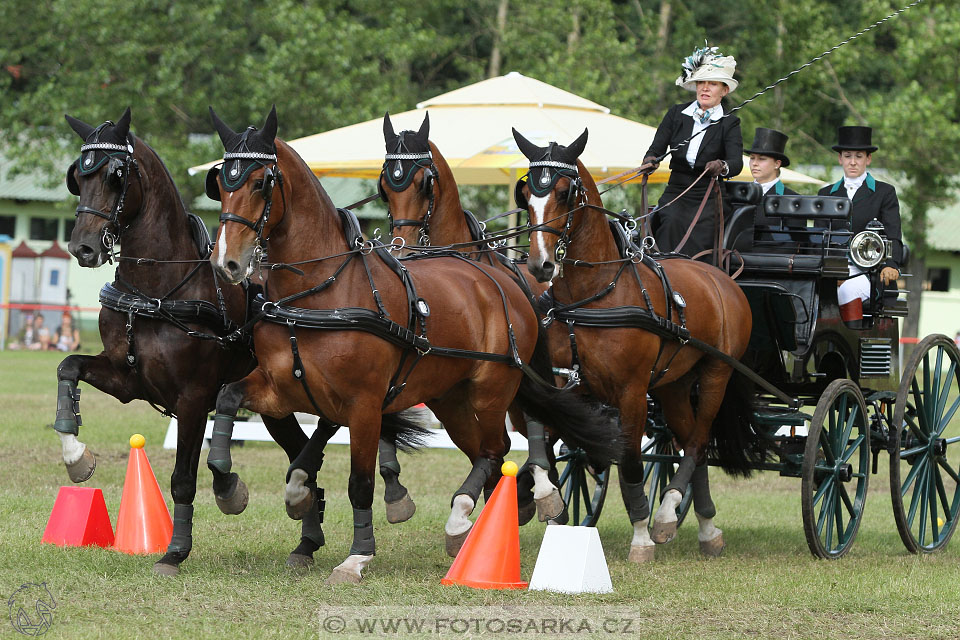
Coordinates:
(715, 113)
(766, 186)
(854, 183)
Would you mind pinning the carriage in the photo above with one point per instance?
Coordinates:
(843, 396)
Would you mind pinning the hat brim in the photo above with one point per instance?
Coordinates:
(868, 149)
(784, 160)
(691, 85)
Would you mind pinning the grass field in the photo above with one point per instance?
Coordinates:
(235, 584)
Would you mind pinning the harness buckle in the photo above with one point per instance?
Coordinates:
(547, 319)
(397, 246)
(366, 247)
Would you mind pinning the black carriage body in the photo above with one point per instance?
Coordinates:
(794, 252)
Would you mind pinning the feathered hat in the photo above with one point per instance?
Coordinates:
(707, 63)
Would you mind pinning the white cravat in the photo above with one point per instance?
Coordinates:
(693, 147)
(852, 184)
(766, 186)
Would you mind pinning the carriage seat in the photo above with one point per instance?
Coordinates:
(744, 193)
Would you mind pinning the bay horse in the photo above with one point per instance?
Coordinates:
(164, 321)
(425, 211)
(357, 345)
(573, 247)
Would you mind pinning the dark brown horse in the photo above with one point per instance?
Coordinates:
(368, 336)
(429, 215)
(164, 322)
(573, 247)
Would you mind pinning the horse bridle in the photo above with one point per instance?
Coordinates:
(545, 185)
(397, 182)
(271, 176)
(120, 167)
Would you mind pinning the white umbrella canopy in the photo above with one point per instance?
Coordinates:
(471, 127)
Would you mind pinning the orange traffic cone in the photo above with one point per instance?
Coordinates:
(143, 524)
(490, 556)
(79, 519)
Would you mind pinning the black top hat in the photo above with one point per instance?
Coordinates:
(770, 142)
(855, 139)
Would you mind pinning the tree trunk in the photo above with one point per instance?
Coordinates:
(494, 69)
(777, 91)
(663, 31)
(574, 36)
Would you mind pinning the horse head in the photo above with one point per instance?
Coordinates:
(553, 195)
(107, 179)
(408, 180)
(246, 185)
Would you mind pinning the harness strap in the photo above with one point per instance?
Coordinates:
(696, 218)
(298, 371)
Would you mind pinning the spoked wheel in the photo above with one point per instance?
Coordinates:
(657, 474)
(924, 454)
(583, 487)
(836, 465)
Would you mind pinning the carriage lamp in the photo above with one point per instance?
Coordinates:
(868, 248)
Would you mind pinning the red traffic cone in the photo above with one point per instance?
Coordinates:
(490, 556)
(143, 524)
(79, 519)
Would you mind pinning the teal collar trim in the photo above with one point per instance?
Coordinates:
(778, 188)
(836, 185)
(871, 183)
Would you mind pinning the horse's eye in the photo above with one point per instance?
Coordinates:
(562, 195)
(258, 185)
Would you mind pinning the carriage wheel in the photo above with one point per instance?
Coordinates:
(924, 465)
(836, 465)
(583, 487)
(658, 474)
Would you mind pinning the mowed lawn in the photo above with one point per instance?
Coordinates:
(235, 583)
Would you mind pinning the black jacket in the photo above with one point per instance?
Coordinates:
(721, 141)
(878, 200)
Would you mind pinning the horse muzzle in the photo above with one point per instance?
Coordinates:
(542, 269)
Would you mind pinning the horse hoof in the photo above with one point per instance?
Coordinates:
(641, 555)
(401, 510)
(164, 569)
(343, 576)
(299, 509)
(663, 532)
(550, 506)
(82, 470)
(236, 502)
(299, 562)
(453, 543)
(713, 548)
(525, 512)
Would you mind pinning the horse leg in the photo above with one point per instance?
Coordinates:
(301, 494)
(229, 490)
(365, 426)
(526, 507)
(100, 373)
(191, 422)
(545, 493)
(709, 536)
(287, 433)
(399, 505)
(638, 508)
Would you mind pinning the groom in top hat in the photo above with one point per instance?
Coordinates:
(869, 199)
(767, 155)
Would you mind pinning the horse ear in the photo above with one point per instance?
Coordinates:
(122, 127)
(226, 133)
(388, 132)
(82, 128)
(268, 132)
(527, 148)
(578, 145)
(424, 134)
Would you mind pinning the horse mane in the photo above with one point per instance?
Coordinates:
(152, 155)
(445, 173)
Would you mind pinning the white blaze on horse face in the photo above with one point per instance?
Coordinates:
(539, 206)
(222, 242)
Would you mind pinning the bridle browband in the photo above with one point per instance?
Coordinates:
(552, 171)
(397, 181)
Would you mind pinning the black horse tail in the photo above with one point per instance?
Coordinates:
(579, 421)
(404, 431)
(735, 440)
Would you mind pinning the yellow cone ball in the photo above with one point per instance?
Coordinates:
(509, 468)
(137, 441)
(939, 522)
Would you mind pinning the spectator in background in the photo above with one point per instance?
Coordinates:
(956, 338)
(67, 337)
(25, 335)
(41, 335)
